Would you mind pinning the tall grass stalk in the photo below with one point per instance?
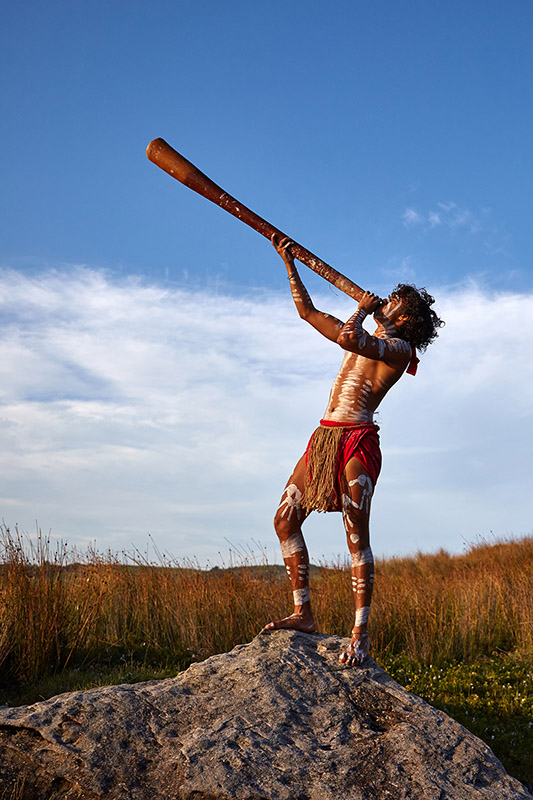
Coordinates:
(61, 609)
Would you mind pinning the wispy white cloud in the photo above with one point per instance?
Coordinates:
(447, 215)
(400, 270)
(129, 408)
(411, 217)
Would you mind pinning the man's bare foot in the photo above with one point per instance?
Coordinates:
(296, 622)
(357, 650)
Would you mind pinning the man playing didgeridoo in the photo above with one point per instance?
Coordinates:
(340, 467)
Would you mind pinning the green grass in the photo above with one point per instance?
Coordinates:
(492, 697)
(75, 680)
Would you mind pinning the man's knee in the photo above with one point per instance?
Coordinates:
(292, 542)
(363, 556)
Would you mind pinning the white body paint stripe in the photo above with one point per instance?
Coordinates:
(363, 557)
(300, 596)
(361, 616)
(291, 500)
(294, 544)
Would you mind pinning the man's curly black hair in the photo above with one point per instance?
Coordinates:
(422, 325)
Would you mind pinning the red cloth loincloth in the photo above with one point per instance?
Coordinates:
(358, 441)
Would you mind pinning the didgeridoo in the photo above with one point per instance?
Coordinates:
(165, 157)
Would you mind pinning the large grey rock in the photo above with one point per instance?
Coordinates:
(278, 718)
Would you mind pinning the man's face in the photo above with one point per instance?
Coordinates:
(390, 310)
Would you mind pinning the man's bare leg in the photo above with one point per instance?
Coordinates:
(357, 494)
(288, 524)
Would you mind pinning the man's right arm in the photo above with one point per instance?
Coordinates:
(325, 324)
(393, 350)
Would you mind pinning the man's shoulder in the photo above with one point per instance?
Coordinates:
(400, 346)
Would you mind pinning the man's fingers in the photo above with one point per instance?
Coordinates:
(281, 244)
(371, 301)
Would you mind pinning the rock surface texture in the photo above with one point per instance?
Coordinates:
(278, 718)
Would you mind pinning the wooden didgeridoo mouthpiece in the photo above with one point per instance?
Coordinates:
(165, 157)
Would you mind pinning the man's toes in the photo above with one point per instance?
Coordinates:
(346, 658)
(352, 659)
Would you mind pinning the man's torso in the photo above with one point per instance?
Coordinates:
(359, 388)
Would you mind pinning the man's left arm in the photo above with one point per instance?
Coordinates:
(326, 324)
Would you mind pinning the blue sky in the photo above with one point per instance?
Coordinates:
(154, 376)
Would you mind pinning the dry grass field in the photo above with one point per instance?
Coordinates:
(61, 609)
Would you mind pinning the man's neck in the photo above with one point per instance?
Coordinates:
(386, 331)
